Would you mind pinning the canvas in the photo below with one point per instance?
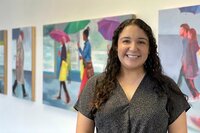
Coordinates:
(3, 62)
(23, 63)
(62, 87)
(179, 56)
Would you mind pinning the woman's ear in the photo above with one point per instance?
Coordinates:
(116, 48)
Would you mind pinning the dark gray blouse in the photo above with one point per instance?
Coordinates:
(146, 112)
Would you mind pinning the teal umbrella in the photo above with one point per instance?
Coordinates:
(74, 27)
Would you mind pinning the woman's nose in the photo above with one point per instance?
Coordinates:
(133, 46)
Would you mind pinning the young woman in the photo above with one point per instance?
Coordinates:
(63, 71)
(87, 59)
(132, 95)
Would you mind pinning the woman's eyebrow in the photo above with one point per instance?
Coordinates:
(140, 38)
(125, 37)
(143, 38)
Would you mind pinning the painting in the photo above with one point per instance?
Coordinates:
(68, 49)
(23, 63)
(178, 43)
(3, 62)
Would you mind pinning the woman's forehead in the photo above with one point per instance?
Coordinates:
(133, 31)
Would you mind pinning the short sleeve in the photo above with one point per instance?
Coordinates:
(178, 104)
(83, 105)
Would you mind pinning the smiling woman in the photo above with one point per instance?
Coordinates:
(133, 91)
(133, 49)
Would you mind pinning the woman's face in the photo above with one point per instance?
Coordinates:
(20, 38)
(189, 35)
(182, 31)
(63, 40)
(84, 37)
(133, 47)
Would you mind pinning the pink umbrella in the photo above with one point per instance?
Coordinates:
(107, 27)
(58, 34)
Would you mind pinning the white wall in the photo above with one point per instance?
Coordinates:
(21, 116)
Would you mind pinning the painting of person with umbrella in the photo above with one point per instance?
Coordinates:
(20, 65)
(87, 60)
(189, 69)
(62, 38)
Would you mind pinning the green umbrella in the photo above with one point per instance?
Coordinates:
(74, 27)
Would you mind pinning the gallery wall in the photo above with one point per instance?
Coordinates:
(21, 116)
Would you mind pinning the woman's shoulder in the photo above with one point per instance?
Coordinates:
(174, 90)
(90, 85)
(96, 77)
(165, 85)
(87, 42)
(169, 80)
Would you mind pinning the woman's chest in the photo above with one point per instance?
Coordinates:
(144, 107)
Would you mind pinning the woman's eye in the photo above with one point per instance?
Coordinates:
(126, 41)
(141, 42)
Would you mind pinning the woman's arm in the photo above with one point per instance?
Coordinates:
(84, 124)
(179, 125)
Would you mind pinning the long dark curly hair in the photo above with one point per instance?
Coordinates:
(105, 86)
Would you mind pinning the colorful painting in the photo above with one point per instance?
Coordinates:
(3, 62)
(179, 41)
(23, 63)
(72, 53)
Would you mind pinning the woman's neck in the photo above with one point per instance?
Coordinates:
(130, 76)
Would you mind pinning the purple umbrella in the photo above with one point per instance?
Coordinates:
(190, 9)
(107, 27)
